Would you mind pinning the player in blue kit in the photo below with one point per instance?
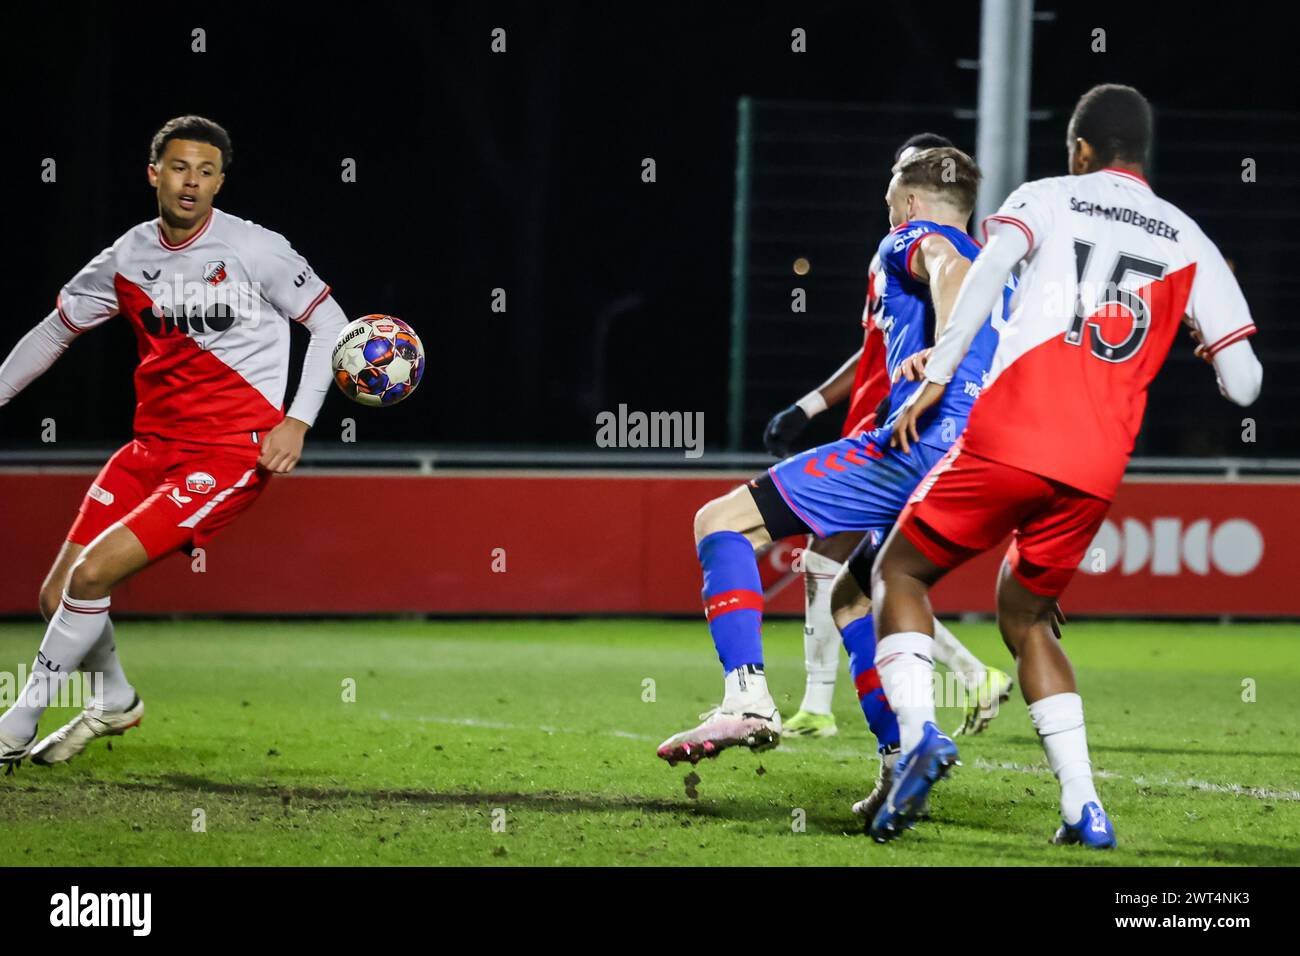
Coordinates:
(854, 484)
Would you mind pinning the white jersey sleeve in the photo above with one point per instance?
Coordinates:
(1219, 311)
(90, 297)
(286, 279)
(33, 355)
(1031, 209)
(1216, 304)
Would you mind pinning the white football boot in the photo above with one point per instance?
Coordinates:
(71, 739)
(870, 805)
(13, 750)
(747, 717)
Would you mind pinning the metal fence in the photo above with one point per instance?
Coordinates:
(810, 185)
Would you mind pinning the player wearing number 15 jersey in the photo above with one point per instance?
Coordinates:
(1110, 271)
(210, 298)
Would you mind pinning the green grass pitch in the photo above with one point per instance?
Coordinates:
(529, 742)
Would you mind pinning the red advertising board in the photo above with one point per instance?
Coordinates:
(601, 542)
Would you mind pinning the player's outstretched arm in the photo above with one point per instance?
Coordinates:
(283, 446)
(35, 352)
(1236, 367)
(788, 424)
(1221, 324)
(975, 300)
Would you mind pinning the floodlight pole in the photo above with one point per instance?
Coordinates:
(1002, 133)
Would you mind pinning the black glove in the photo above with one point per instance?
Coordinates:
(784, 428)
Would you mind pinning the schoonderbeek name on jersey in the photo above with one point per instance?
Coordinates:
(1156, 227)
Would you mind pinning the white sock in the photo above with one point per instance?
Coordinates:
(114, 691)
(955, 656)
(71, 633)
(821, 638)
(747, 691)
(907, 676)
(1059, 722)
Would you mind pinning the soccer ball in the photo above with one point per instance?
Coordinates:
(378, 360)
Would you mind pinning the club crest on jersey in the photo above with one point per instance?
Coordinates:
(200, 482)
(214, 272)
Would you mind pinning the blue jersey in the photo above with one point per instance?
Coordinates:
(907, 321)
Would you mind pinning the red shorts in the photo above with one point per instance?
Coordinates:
(169, 494)
(967, 504)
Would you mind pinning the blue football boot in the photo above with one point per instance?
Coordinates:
(919, 769)
(1093, 830)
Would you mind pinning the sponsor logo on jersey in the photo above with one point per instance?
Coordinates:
(198, 308)
(148, 277)
(302, 278)
(178, 499)
(100, 495)
(200, 482)
(214, 272)
(902, 241)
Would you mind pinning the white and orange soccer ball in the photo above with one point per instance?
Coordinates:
(378, 360)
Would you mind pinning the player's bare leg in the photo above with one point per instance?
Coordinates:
(105, 563)
(727, 531)
(823, 558)
(56, 582)
(1028, 625)
(76, 625)
(734, 511)
(1028, 622)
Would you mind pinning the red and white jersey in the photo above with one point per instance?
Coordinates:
(1111, 270)
(209, 316)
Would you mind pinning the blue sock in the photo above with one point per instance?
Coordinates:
(860, 641)
(733, 598)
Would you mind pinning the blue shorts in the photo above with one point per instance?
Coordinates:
(852, 484)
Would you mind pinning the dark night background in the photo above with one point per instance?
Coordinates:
(522, 171)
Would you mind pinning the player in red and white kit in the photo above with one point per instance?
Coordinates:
(1110, 272)
(864, 380)
(210, 298)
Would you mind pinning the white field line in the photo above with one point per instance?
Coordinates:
(979, 763)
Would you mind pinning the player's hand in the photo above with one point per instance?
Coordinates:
(283, 446)
(1058, 619)
(905, 430)
(783, 430)
(913, 367)
(1201, 352)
